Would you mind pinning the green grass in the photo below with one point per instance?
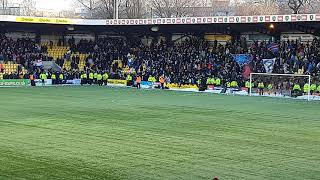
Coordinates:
(109, 133)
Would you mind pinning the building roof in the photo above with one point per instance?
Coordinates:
(167, 21)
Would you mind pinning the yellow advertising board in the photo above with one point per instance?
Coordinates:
(177, 86)
(43, 20)
(116, 81)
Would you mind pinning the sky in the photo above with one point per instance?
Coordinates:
(54, 4)
(51, 4)
(59, 5)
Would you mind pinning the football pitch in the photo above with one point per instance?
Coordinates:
(112, 133)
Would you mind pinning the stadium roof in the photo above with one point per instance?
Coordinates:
(167, 21)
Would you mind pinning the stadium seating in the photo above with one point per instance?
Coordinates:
(120, 64)
(82, 61)
(57, 51)
(9, 68)
(67, 65)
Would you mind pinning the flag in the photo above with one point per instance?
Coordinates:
(246, 72)
(273, 47)
(242, 59)
(269, 64)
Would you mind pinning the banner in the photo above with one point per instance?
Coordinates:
(117, 82)
(74, 82)
(38, 63)
(145, 84)
(268, 64)
(47, 82)
(246, 72)
(242, 59)
(186, 86)
(273, 47)
(14, 82)
(43, 20)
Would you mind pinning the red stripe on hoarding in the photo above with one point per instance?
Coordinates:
(304, 17)
(243, 19)
(267, 18)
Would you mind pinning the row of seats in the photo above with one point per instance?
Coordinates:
(66, 65)
(82, 61)
(57, 51)
(10, 68)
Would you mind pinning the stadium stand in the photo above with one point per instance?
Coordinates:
(181, 62)
(184, 61)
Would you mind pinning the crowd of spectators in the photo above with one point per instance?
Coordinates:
(183, 62)
(195, 58)
(21, 51)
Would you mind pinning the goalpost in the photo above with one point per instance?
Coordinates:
(273, 77)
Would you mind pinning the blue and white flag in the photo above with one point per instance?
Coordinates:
(242, 59)
(273, 47)
(269, 64)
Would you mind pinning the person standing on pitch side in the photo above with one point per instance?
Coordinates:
(95, 81)
(43, 77)
(61, 78)
(105, 77)
(54, 78)
(138, 81)
(31, 77)
(162, 81)
(99, 79)
(91, 76)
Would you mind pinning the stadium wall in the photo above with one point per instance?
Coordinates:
(18, 35)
